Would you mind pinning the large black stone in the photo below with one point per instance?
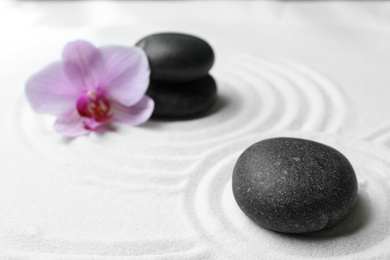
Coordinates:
(294, 185)
(175, 57)
(182, 100)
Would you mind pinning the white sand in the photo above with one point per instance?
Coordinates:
(163, 190)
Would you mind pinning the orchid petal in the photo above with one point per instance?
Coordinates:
(133, 115)
(82, 106)
(126, 76)
(70, 124)
(83, 64)
(93, 124)
(49, 91)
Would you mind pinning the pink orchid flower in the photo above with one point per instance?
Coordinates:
(91, 86)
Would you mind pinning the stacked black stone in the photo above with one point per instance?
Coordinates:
(179, 82)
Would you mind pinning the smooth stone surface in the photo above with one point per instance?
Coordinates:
(294, 185)
(184, 100)
(175, 57)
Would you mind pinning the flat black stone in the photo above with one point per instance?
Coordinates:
(184, 100)
(294, 185)
(176, 57)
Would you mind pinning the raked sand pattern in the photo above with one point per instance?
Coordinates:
(163, 190)
(221, 223)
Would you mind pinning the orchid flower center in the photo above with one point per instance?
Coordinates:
(95, 106)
